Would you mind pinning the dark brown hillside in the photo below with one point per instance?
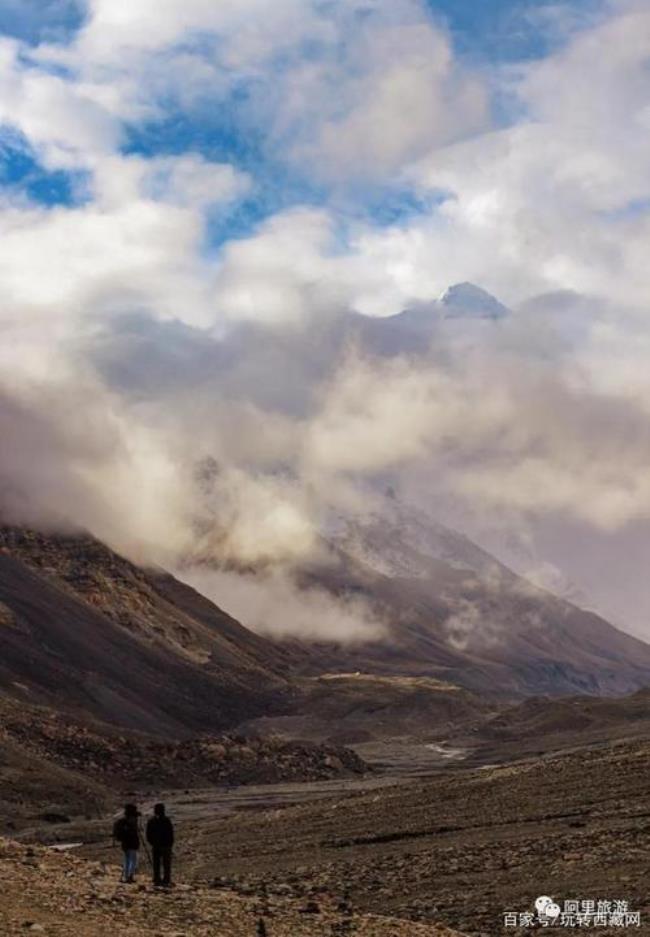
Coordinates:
(148, 603)
(112, 646)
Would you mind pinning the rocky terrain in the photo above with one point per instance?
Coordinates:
(462, 847)
(53, 768)
(539, 725)
(49, 893)
(354, 708)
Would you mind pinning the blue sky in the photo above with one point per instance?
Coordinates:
(487, 34)
(491, 29)
(40, 20)
(505, 30)
(351, 111)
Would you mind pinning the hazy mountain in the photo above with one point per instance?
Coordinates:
(400, 540)
(465, 300)
(455, 613)
(412, 330)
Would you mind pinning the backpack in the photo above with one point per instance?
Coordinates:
(119, 829)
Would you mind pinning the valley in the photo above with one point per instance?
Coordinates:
(405, 796)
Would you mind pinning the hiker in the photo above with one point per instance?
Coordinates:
(125, 831)
(160, 834)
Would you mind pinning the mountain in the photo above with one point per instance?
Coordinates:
(85, 629)
(541, 724)
(401, 541)
(455, 613)
(114, 678)
(412, 330)
(358, 708)
(465, 300)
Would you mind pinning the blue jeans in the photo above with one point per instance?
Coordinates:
(130, 864)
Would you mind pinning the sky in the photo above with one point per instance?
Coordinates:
(197, 198)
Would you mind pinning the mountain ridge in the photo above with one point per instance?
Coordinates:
(474, 622)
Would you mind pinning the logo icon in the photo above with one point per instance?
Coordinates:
(546, 908)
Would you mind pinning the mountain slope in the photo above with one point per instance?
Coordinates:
(85, 629)
(541, 725)
(457, 614)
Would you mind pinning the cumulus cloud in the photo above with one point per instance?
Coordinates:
(62, 119)
(393, 60)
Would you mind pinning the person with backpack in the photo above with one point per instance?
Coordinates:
(160, 834)
(125, 831)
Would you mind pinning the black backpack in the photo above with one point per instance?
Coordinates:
(120, 830)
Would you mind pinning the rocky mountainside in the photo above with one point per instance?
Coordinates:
(354, 708)
(541, 724)
(85, 629)
(466, 300)
(455, 613)
(114, 679)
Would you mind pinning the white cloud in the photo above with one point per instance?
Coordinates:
(549, 203)
(404, 96)
(116, 27)
(75, 262)
(283, 272)
(57, 116)
(272, 604)
(194, 182)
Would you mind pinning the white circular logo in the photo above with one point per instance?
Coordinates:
(546, 907)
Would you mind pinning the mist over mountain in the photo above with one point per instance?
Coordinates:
(453, 402)
(424, 600)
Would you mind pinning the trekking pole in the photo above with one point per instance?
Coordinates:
(143, 840)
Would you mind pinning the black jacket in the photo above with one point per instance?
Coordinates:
(125, 831)
(160, 832)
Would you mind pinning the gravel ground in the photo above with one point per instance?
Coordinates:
(49, 893)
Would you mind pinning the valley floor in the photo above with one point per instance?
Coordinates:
(462, 847)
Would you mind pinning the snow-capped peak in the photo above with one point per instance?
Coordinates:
(465, 300)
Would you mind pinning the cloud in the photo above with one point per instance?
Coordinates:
(326, 83)
(193, 182)
(70, 459)
(69, 262)
(555, 200)
(116, 27)
(60, 118)
(282, 272)
(272, 604)
(135, 243)
(373, 133)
